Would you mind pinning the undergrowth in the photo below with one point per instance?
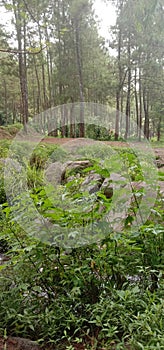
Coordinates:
(107, 294)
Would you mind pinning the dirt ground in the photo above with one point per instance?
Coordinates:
(60, 141)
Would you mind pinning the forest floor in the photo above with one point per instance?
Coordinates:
(62, 141)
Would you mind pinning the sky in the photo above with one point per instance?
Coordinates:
(107, 16)
(105, 13)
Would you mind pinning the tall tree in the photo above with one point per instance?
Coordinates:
(140, 50)
(20, 25)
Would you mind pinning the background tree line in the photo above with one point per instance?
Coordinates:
(58, 57)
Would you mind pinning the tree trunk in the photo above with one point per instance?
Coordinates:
(117, 116)
(5, 96)
(146, 112)
(38, 93)
(136, 103)
(79, 68)
(59, 50)
(48, 66)
(159, 129)
(117, 131)
(63, 123)
(140, 105)
(22, 63)
(44, 104)
(127, 128)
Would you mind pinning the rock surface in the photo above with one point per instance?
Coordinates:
(77, 165)
(54, 173)
(92, 183)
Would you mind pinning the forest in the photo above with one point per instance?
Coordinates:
(81, 176)
(56, 57)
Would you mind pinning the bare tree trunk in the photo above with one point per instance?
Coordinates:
(43, 70)
(146, 112)
(140, 104)
(59, 47)
(52, 85)
(48, 67)
(117, 131)
(136, 103)
(72, 121)
(22, 63)
(14, 111)
(38, 88)
(117, 116)
(81, 89)
(127, 129)
(159, 128)
(5, 96)
(38, 98)
(63, 123)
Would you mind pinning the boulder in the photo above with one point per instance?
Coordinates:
(55, 173)
(77, 166)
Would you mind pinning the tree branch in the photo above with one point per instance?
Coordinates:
(23, 52)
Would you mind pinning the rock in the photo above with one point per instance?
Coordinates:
(161, 188)
(13, 343)
(92, 183)
(111, 183)
(72, 178)
(159, 157)
(54, 173)
(138, 185)
(107, 188)
(11, 164)
(117, 177)
(77, 165)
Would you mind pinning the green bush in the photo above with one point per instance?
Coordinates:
(103, 291)
(4, 148)
(13, 129)
(45, 153)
